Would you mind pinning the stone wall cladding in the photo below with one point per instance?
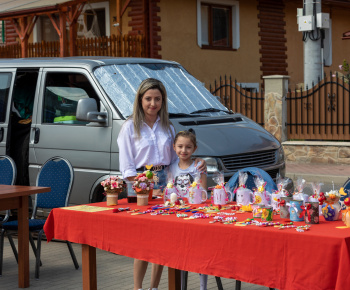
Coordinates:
(272, 113)
(314, 152)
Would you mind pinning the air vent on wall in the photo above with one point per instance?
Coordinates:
(211, 121)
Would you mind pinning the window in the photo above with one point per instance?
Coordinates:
(61, 96)
(5, 82)
(218, 24)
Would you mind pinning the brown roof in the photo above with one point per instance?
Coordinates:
(18, 8)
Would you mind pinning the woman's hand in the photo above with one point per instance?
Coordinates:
(203, 166)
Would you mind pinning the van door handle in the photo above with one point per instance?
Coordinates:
(36, 135)
(1, 134)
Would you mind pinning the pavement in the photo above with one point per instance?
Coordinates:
(114, 271)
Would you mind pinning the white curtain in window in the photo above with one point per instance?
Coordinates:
(205, 25)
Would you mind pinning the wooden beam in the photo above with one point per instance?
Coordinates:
(126, 4)
(72, 17)
(63, 36)
(54, 23)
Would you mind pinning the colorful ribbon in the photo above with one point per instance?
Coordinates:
(305, 210)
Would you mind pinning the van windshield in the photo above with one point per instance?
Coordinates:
(186, 94)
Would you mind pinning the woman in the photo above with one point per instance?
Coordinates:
(146, 138)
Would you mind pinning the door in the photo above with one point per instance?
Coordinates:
(6, 79)
(56, 132)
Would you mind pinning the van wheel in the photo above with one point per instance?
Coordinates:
(98, 195)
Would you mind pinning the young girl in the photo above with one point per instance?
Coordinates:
(184, 171)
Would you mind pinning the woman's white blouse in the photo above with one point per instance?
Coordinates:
(154, 147)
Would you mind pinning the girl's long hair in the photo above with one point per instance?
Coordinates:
(138, 114)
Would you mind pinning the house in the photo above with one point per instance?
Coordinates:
(244, 39)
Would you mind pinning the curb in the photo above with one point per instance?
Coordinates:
(339, 180)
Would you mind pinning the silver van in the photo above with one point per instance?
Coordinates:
(74, 107)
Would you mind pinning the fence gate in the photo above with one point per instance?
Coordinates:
(240, 100)
(321, 113)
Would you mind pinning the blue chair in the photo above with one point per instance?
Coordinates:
(8, 174)
(56, 173)
(253, 171)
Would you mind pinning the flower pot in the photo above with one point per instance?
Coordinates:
(142, 199)
(112, 196)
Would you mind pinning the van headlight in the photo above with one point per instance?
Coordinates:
(212, 164)
(280, 155)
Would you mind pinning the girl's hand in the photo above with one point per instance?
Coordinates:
(203, 165)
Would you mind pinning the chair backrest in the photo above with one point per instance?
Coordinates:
(8, 171)
(58, 174)
(252, 171)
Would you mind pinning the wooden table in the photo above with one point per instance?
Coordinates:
(16, 197)
(282, 259)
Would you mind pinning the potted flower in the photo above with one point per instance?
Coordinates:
(113, 186)
(143, 184)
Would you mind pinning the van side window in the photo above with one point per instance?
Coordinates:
(61, 96)
(5, 82)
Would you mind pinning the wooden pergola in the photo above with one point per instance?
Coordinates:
(24, 19)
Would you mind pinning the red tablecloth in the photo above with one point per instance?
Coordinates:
(283, 259)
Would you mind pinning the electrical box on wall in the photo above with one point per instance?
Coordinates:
(322, 20)
(306, 23)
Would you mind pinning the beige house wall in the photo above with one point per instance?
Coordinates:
(179, 43)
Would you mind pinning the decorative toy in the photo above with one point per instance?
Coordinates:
(243, 194)
(299, 193)
(315, 197)
(346, 212)
(261, 196)
(331, 206)
(344, 193)
(284, 207)
(196, 193)
(220, 194)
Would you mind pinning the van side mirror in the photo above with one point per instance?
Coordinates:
(87, 111)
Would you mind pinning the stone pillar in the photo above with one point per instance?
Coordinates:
(275, 112)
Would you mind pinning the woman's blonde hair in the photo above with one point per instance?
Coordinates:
(138, 114)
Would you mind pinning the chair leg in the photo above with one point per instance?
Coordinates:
(238, 285)
(37, 254)
(1, 249)
(218, 282)
(184, 278)
(33, 246)
(71, 251)
(14, 250)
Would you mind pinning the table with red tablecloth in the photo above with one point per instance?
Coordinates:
(283, 259)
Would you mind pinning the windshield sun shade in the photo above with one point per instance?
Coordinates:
(185, 93)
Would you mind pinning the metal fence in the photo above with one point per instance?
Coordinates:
(240, 100)
(320, 113)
